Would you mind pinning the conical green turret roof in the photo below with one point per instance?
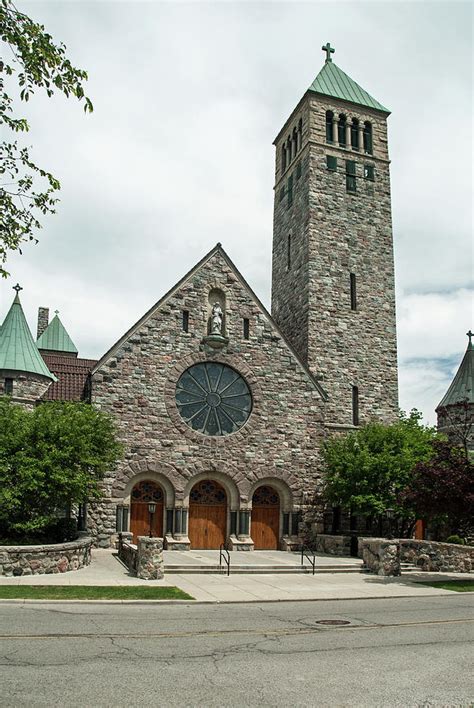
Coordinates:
(18, 351)
(462, 386)
(55, 338)
(332, 81)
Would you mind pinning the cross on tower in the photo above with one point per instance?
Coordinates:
(56, 312)
(470, 335)
(329, 50)
(17, 288)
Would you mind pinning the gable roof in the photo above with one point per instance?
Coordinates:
(18, 351)
(55, 338)
(217, 249)
(332, 81)
(462, 386)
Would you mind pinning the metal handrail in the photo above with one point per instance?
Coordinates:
(224, 554)
(305, 551)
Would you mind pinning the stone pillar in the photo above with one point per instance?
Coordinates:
(348, 135)
(150, 558)
(178, 522)
(360, 130)
(334, 131)
(244, 523)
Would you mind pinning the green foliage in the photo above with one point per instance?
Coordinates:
(367, 469)
(51, 457)
(36, 62)
(454, 538)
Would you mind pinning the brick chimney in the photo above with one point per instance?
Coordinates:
(43, 320)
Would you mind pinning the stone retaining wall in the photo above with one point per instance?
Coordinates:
(433, 556)
(332, 545)
(40, 560)
(381, 555)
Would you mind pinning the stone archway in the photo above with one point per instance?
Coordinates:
(207, 527)
(265, 520)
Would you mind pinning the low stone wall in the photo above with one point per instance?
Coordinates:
(332, 545)
(381, 555)
(433, 556)
(40, 560)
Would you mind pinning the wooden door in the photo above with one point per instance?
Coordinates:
(142, 494)
(207, 515)
(265, 525)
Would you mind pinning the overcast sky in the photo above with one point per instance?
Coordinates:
(178, 155)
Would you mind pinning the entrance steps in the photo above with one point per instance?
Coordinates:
(254, 569)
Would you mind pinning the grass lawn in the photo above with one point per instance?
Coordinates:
(92, 592)
(457, 585)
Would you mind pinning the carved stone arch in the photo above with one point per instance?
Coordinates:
(280, 485)
(164, 474)
(232, 491)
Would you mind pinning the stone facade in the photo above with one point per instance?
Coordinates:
(28, 388)
(136, 382)
(433, 556)
(335, 233)
(40, 560)
(381, 555)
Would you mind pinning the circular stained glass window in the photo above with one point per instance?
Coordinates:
(213, 398)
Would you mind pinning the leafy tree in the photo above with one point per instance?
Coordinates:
(441, 490)
(26, 190)
(366, 470)
(51, 457)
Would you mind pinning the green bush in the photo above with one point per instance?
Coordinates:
(455, 539)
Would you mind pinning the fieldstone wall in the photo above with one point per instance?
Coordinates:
(432, 556)
(136, 383)
(332, 545)
(27, 388)
(150, 558)
(335, 233)
(40, 560)
(381, 555)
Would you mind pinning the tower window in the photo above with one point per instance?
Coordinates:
(283, 157)
(368, 148)
(295, 142)
(341, 130)
(185, 320)
(369, 172)
(329, 126)
(298, 170)
(355, 134)
(350, 176)
(290, 190)
(8, 387)
(288, 253)
(246, 323)
(331, 163)
(355, 405)
(353, 292)
(289, 151)
(300, 133)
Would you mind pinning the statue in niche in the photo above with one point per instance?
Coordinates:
(216, 319)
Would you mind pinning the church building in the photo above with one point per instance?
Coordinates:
(222, 405)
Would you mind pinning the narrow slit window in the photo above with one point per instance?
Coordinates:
(341, 130)
(355, 405)
(331, 163)
(246, 328)
(290, 190)
(8, 387)
(353, 292)
(355, 134)
(350, 176)
(283, 157)
(300, 133)
(298, 170)
(329, 126)
(185, 320)
(368, 147)
(369, 172)
(288, 253)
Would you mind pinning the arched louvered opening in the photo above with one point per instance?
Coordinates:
(329, 126)
(355, 134)
(368, 141)
(341, 130)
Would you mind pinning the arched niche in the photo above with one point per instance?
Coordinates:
(229, 485)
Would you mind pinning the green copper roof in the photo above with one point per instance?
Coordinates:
(55, 338)
(462, 386)
(332, 81)
(18, 351)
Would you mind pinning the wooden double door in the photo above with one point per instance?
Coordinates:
(265, 527)
(143, 493)
(207, 515)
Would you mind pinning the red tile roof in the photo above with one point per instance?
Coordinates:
(71, 373)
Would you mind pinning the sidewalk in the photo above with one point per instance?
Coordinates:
(106, 569)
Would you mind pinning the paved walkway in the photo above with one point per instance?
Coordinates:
(259, 558)
(106, 569)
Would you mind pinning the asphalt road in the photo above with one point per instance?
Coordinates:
(411, 651)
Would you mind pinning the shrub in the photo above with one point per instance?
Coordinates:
(454, 538)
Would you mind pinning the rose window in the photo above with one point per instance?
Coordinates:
(213, 399)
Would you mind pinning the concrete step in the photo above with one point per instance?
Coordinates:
(258, 569)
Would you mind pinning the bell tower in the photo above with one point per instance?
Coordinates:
(333, 290)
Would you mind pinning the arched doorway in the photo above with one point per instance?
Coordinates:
(207, 515)
(142, 494)
(265, 528)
